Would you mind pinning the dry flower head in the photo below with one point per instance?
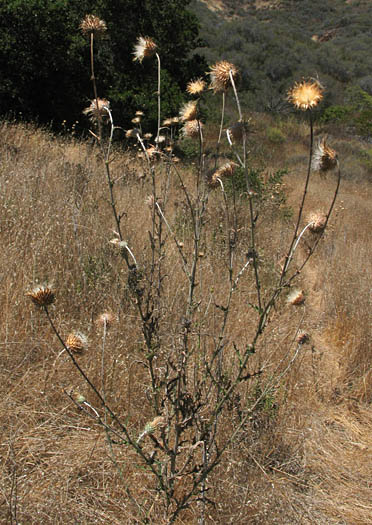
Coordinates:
(91, 24)
(106, 319)
(76, 342)
(196, 87)
(227, 170)
(192, 128)
(317, 221)
(220, 75)
(132, 133)
(306, 94)
(189, 111)
(97, 109)
(324, 158)
(144, 48)
(296, 297)
(42, 295)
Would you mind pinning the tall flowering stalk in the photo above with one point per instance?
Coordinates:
(305, 96)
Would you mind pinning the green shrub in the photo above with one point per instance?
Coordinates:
(275, 135)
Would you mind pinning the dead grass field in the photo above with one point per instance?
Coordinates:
(303, 458)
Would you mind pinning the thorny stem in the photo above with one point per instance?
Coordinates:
(320, 235)
(287, 259)
(253, 253)
(93, 78)
(159, 100)
(221, 127)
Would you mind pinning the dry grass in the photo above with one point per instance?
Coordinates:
(302, 458)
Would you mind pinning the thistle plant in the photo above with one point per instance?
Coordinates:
(199, 377)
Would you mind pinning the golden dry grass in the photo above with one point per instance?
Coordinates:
(302, 458)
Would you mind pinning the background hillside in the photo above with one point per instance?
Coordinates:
(275, 43)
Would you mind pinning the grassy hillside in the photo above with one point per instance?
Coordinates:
(302, 445)
(275, 43)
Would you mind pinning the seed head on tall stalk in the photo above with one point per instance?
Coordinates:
(305, 96)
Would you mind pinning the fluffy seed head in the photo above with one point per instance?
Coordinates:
(196, 87)
(92, 24)
(97, 109)
(106, 319)
(296, 297)
(191, 128)
(189, 111)
(324, 158)
(220, 75)
(144, 48)
(306, 94)
(42, 295)
(317, 222)
(76, 342)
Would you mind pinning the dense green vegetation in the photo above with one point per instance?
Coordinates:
(276, 47)
(44, 58)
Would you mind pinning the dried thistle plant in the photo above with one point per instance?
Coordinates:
(196, 87)
(296, 297)
(77, 342)
(92, 24)
(324, 157)
(220, 75)
(192, 128)
(145, 48)
(42, 295)
(227, 170)
(189, 111)
(306, 94)
(317, 222)
(97, 111)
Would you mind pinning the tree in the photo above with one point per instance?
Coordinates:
(44, 58)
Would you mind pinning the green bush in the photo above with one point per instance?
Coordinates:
(44, 58)
(275, 135)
